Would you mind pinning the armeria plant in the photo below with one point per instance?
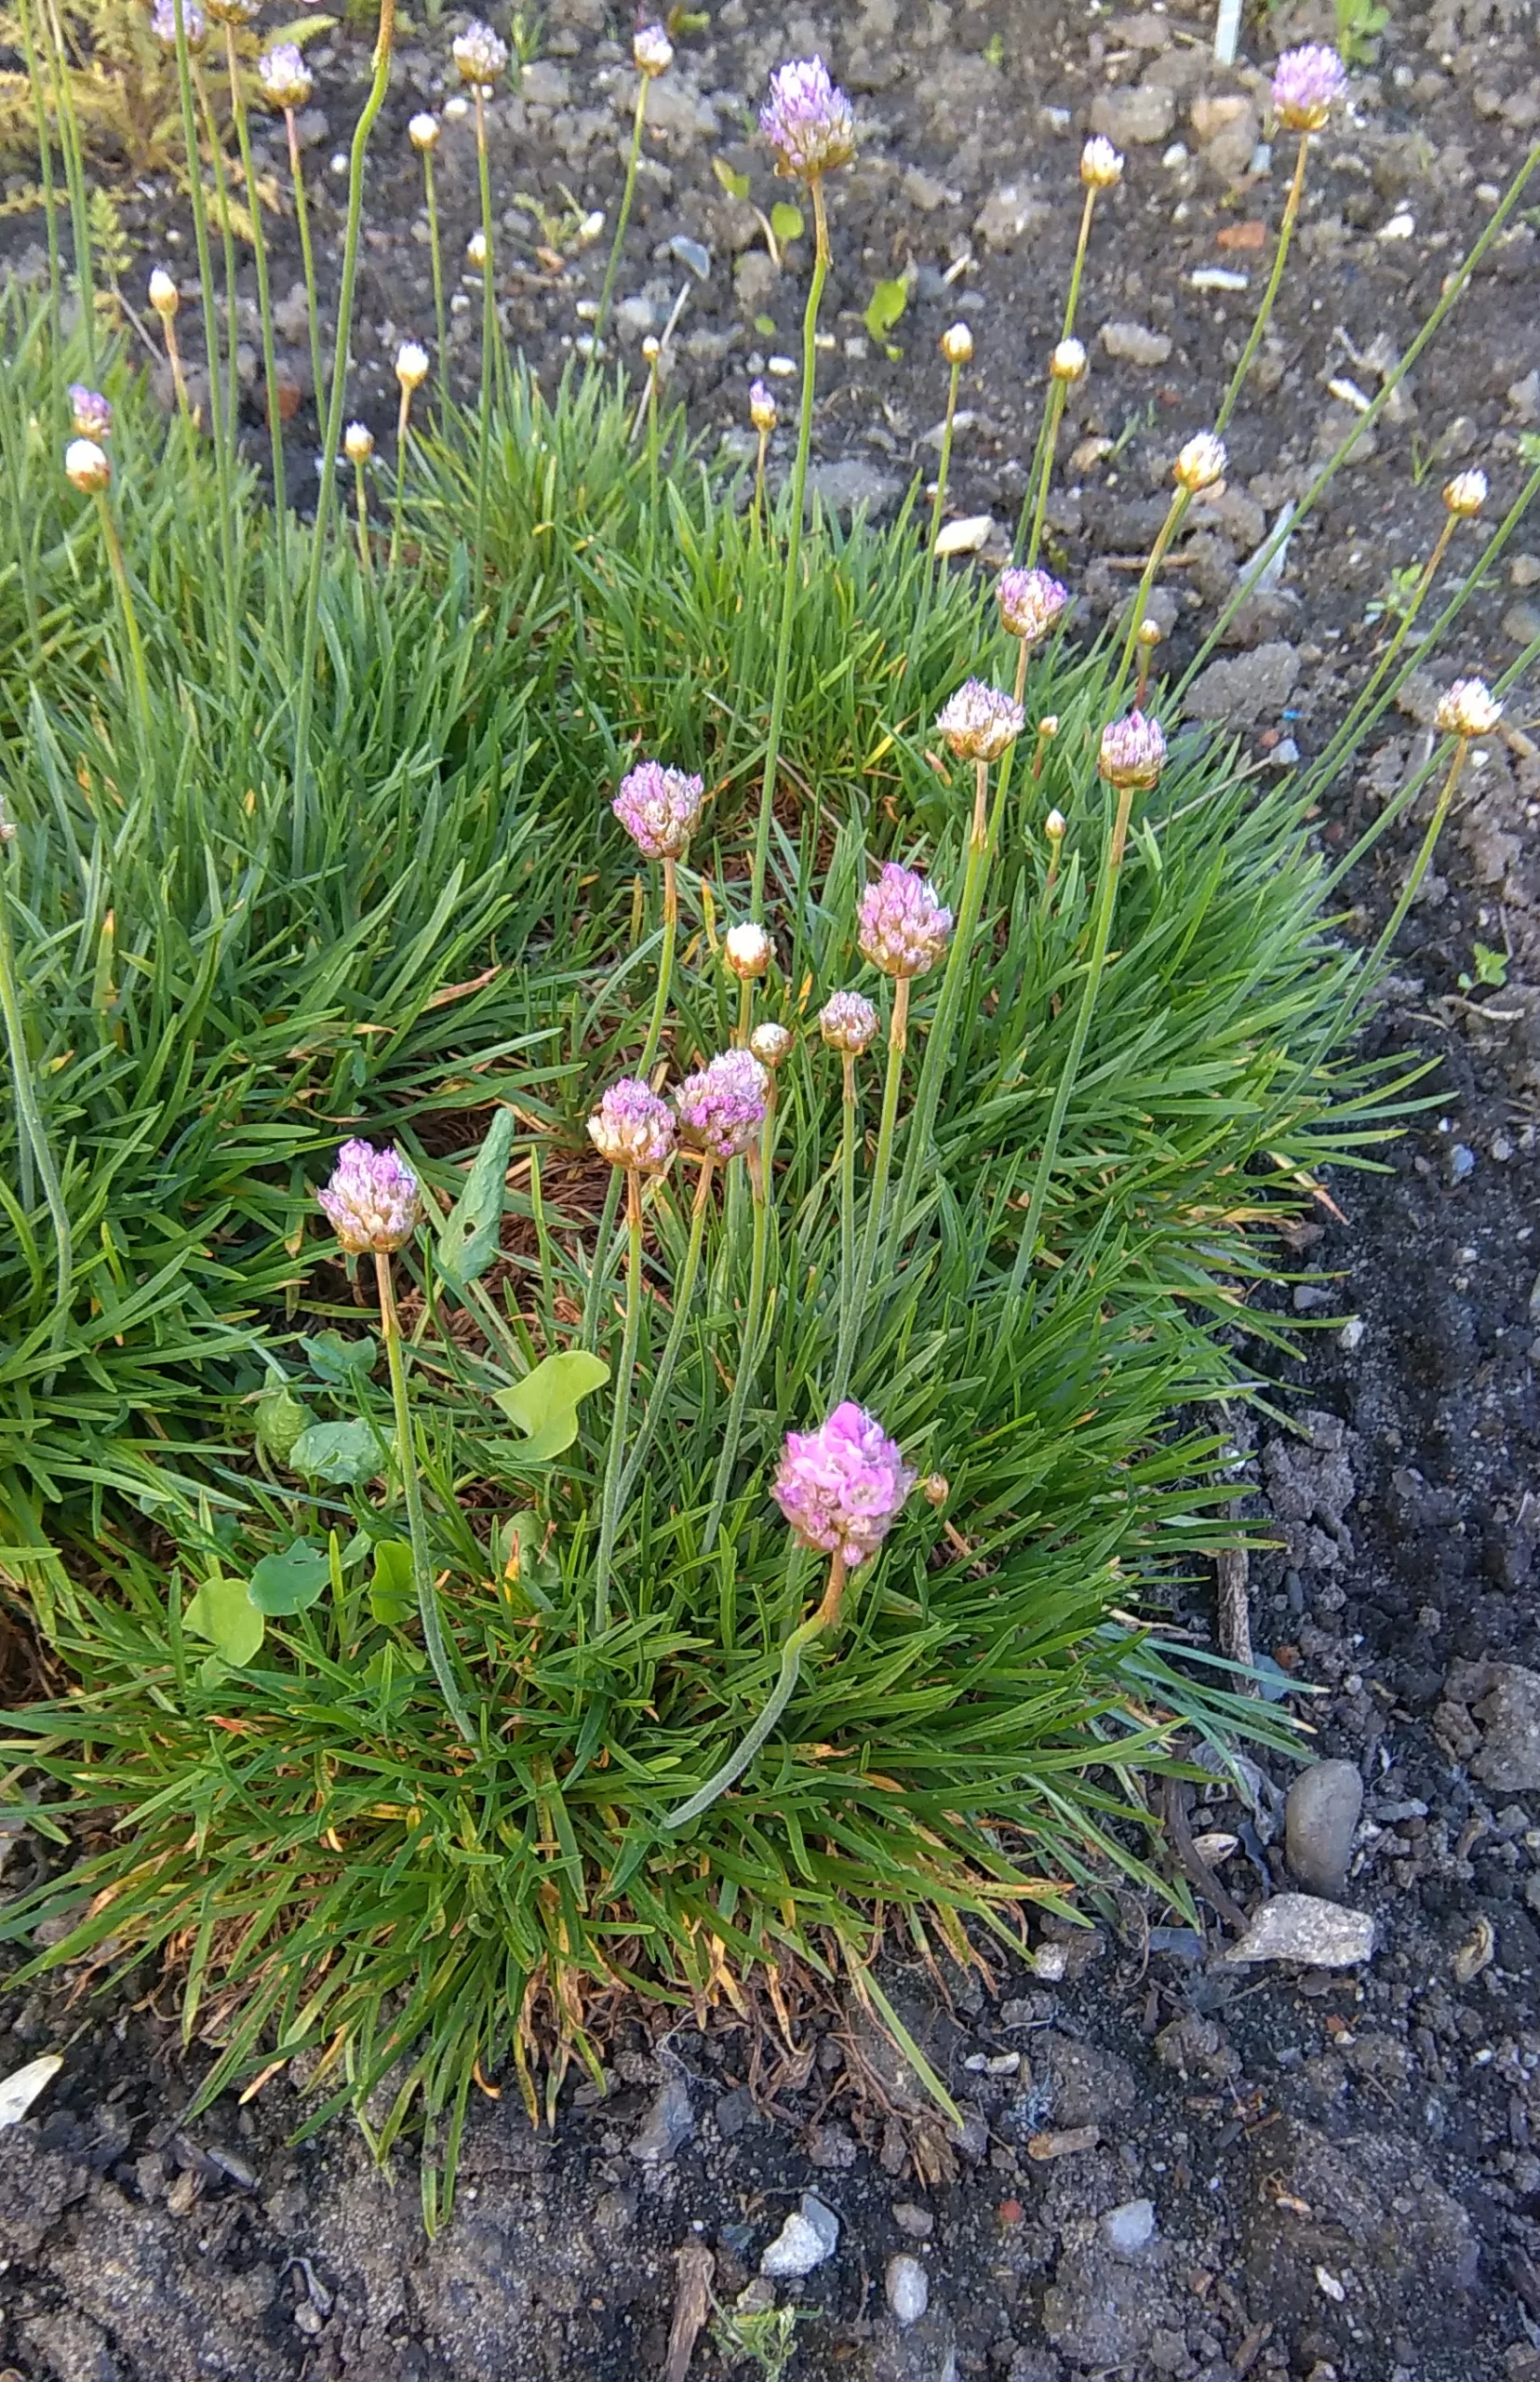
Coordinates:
(600, 1600)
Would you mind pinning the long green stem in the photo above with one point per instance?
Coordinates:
(74, 176)
(959, 958)
(794, 552)
(1420, 865)
(312, 299)
(1042, 468)
(849, 1321)
(1072, 299)
(227, 231)
(1168, 530)
(851, 1126)
(360, 498)
(1111, 865)
(632, 160)
(945, 466)
(609, 1507)
(1285, 233)
(666, 966)
(34, 1131)
(1346, 738)
(50, 200)
(489, 329)
(437, 253)
(270, 370)
(130, 618)
(211, 344)
(403, 427)
(417, 1531)
(748, 1357)
(363, 127)
(826, 1617)
(684, 1291)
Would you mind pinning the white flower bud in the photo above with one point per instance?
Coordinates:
(1202, 463)
(163, 293)
(86, 466)
(412, 364)
(956, 345)
(358, 442)
(1470, 708)
(1465, 494)
(1101, 167)
(423, 131)
(746, 950)
(1067, 361)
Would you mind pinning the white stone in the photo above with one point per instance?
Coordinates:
(809, 2235)
(1300, 1927)
(1130, 2226)
(965, 537)
(908, 2288)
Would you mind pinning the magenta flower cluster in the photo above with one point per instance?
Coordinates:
(1133, 752)
(93, 415)
(842, 1487)
(1306, 86)
(722, 1108)
(372, 1200)
(979, 722)
(632, 1127)
(807, 120)
(1030, 602)
(659, 809)
(903, 928)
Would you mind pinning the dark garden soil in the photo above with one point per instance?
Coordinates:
(1342, 2172)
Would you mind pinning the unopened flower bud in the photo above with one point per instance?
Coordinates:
(651, 51)
(412, 364)
(1056, 827)
(479, 54)
(1101, 165)
(1306, 85)
(1048, 727)
(358, 442)
(476, 252)
(1465, 494)
(632, 1127)
(1030, 603)
(163, 293)
(1132, 753)
(979, 723)
(423, 132)
(762, 409)
(372, 1201)
(770, 1043)
(956, 345)
(86, 466)
(652, 347)
(849, 1021)
(1202, 463)
(91, 413)
(1067, 361)
(1149, 634)
(746, 950)
(1468, 708)
(287, 81)
(937, 1488)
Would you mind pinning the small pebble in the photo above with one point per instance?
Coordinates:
(908, 2288)
(809, 2235)
(1051, 1962)
(1401, 227)
(1352, 1332)
(1128, 2228)
(916, 2221)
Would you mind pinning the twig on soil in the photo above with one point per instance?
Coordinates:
(691, 2306)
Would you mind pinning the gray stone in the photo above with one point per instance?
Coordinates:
(1252, 686)
(544, 84)
(669, 2122)
(36, 2185)
(923, 2351)
(1081, 2083)
(841, 486)
(1521, 623)
(809, 2235)
(916, 2222)
(1504, 1699)
(1135, 344)
(1134, 117)
(1299, 1927)
(691, 254)
(1130, 2227)
(1102, 2310)
(908, 2287)
(1006, 217)
(1320, 1819)
(754, 279)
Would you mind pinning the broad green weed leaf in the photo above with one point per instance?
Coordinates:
(391, 1595)
(884, 307)
(332, 1358)
(539, 1401)
(224, 1612)
(468, 1237)
(735, 185)
(281, 1419)
(290, 1582)
(340, 1452)
(786, 221)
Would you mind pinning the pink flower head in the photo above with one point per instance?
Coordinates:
(163, 23)
(841, 1488)
(1306, 85)
(807, 120)
(847, 1021)
(722, 1108)
(633, 1127)
(93, 415)
(903, 928)
(659, 809)
(371, 1201)
(1133, 752)
(1030, 603)
(286, 79)
(979, 722)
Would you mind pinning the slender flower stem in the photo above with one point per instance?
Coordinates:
(75, 175)
(1168, 527)
(747, 1355)
(851, 1126)
(1346, 737)
(211, 342)
(1285, 233)
(489, 329)
(793, 550)
(1042, 468)
(1111, 865)
(756, 509)
(417, 1531)
(943, 468)
(684, 1291)
(361, 500)
(1420, 865)
(825, 1617)
(938, 1042)
(1076, 270)
(130, 618)
(385, 41)
(632, 160)
(666, 966)
(313, 303)
(270, 373)
(609, 1507)
(227, 238)
(1142, 681)
(431, 191)
(50, 198)
(403, 425)
(849, 1321)
(33, 1132)
(173, 358)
